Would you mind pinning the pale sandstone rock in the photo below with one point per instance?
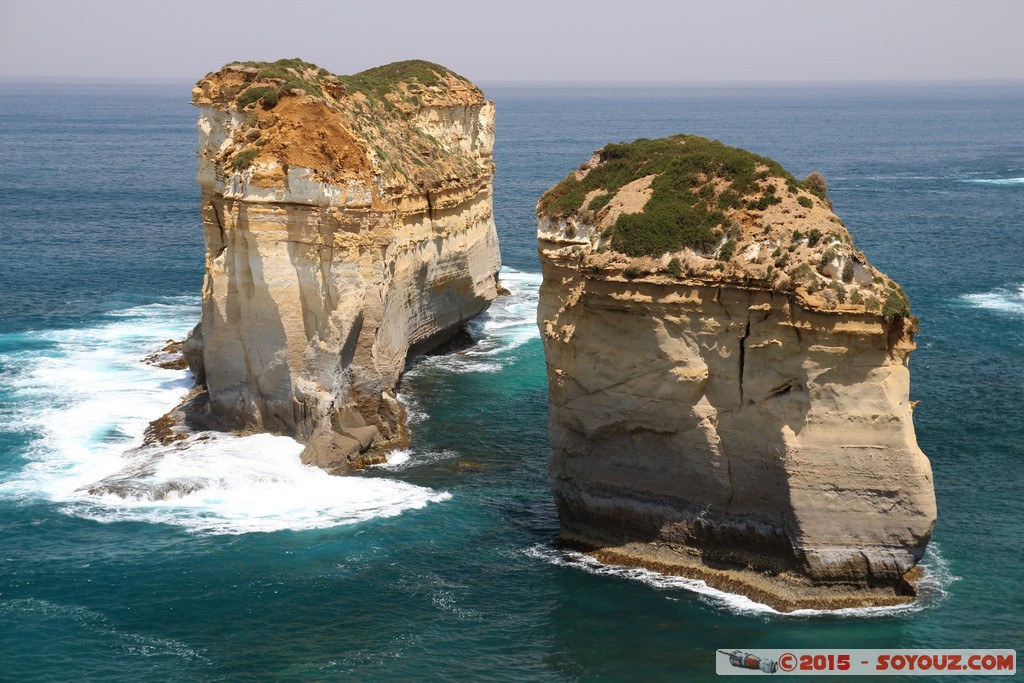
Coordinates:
(728, 426)
(360, 232)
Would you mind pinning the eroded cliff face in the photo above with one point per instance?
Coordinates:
(347, 223)
(735, 411)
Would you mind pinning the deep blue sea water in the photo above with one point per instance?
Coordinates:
(441, 566)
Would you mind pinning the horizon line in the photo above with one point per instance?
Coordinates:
(56, 80)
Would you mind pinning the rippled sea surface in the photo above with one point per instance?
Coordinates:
(440, 564)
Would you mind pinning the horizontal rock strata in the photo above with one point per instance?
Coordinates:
(736, 410)
(348, 224)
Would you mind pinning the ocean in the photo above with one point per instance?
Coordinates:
(440, 565)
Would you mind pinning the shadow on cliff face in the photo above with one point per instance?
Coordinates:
(680, 442)
(728, 434)
(247, 376)
(462, 340)
(665, 530)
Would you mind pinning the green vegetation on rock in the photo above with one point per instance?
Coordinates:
(815, 184)
(765, 201)
(244, 158)
(896, 304)
(726, 252)
(419, 70)
(294, 74)
(848, 271)
(675, 268)
(268, 94)
(695, 181)
(374, 84)
(376, 106)
(600, 201)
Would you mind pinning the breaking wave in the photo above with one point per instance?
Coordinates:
(84, 399)
(1005, 300)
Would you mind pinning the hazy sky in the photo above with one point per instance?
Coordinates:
(525, 40)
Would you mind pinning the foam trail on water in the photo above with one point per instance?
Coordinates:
(933, 587)
(996, 181)
(86, 399)
(1005, 300)
(43, 615)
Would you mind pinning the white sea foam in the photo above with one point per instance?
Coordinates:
(396, 459)
(87, 400)
(586, 563)
(510, 322)
(512, 319)
(1005, 300)
(406, 459)
(933, 587)
(88, 395)
(227, 484)
(996, 181)
(414, 413)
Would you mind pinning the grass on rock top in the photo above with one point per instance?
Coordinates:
(374, 84)
(397, 88)
(696, 181)
(295, 74)
(419, 70)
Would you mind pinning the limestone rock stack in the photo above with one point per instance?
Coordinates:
(348, 224)
(728, 380)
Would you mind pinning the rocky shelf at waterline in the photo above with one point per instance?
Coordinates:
(728, 379)
(348, 224)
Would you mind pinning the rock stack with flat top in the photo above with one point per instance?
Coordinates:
(348, 224)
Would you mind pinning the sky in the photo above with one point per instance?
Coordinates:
(525, 40)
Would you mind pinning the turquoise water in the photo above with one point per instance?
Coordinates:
(440, 566)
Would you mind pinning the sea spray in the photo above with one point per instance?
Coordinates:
(218, 483)
(86, 398)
